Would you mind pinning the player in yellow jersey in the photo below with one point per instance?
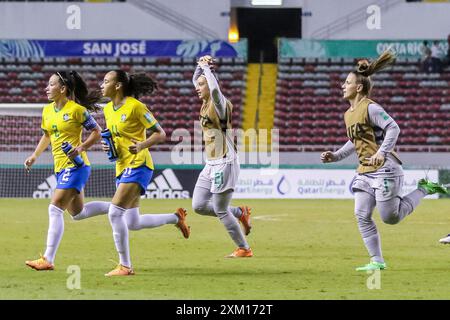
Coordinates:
(372, 135)
(128, 119)
(62, 121)
(215, 185)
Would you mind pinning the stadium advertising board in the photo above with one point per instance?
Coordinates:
(179, 183)
(40, 183)
(309, 184)
(121, 48)
(295, 48)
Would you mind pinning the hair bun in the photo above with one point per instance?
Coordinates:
(363, 65)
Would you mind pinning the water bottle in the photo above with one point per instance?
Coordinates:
(78, 160)
(107, 138)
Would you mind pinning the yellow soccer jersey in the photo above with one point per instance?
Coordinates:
(64, 125)
(129, 121)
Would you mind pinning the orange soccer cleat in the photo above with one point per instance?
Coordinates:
(40, 264)
(245, 219)
(120, 270)
(241, 253)
(181, 224)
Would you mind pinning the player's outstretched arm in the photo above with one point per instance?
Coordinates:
(214, 89)
(197, 73)
(327, 156)
(198, 70)
(345, 151)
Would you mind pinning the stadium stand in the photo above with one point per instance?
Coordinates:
(175, 103)
(309, 107)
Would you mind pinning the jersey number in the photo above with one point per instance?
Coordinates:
(66, 176)
(218, 179)
(127, 172)
(55, 130)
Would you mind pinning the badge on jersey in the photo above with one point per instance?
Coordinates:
(66, 117)
(384, 115)
(123, 117)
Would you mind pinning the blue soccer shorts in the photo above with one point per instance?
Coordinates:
(73, 178)
(141, 175)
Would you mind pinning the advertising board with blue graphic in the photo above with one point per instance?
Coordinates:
(179, 183)
(121, 48)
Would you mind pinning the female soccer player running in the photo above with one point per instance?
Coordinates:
(215, 185)
(63, 121)
(127, 118)
(372, 135)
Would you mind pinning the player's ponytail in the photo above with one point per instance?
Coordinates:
(87, 99)
(77, 90)
(135, 85)
(365, 69)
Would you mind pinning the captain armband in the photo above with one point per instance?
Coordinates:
(90, 123)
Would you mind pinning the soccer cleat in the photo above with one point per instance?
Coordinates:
(245, 219)
(445, 240)
(40, 264)
(241, 253)
(181, 224)
(372, 265)
(432, 187)
(120, 270)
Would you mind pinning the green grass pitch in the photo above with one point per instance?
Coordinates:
(304, 249)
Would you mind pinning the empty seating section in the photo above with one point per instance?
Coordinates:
(309, 106)
(175, 104)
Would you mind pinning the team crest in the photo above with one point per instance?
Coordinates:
(123, 117)
(66, 116)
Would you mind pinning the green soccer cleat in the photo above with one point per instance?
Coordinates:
(432, 187)
(372, 265)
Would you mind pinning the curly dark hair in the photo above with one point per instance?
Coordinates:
(135, 85)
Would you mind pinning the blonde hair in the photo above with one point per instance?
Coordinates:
(365, 69)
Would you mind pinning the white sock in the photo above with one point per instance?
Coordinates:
(92, 209)
(233, 228)
(135, 221)
(373, 245)
(55, 231)
(120, 233)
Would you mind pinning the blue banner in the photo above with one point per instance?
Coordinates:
(120, 48)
